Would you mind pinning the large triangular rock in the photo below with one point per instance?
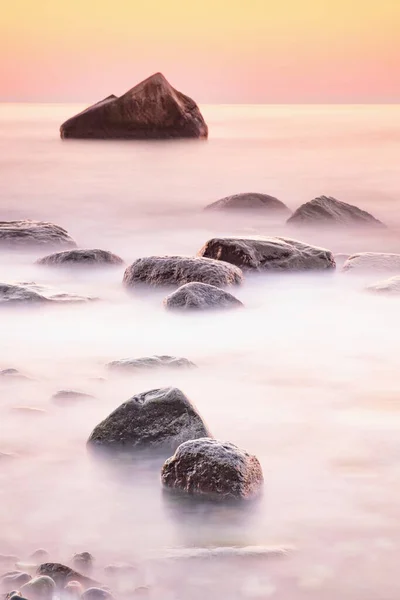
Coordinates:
(326, 210)
(153, 109)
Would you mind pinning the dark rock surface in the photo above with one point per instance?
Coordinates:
(39, 588)
(69, 397)
(200, 296)
(157, 419)
(381, 262)
(326, 210)
(209, 467)
(268, 254)
(32, 293)
(178, 270)
(61, 575)
(81, 257)
(27, 233)
(153, 109)
(250, 202)
(150, 362)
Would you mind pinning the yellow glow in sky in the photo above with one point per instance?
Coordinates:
(215, 50)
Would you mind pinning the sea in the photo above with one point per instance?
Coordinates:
(305, 377)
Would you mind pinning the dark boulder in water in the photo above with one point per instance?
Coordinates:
(27, 233)
(208, 467)
(81, 257)
(32, 293)
(178, 270)
(153, 109)
(200, 296)
(249, 202)
(269, 254)
(149, 362)
(157, 419)
(61, 575)
(326, 210)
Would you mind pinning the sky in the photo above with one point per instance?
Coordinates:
(217, 51)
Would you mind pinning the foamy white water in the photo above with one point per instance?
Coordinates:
(306, 377)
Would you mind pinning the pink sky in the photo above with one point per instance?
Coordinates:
(228, 51)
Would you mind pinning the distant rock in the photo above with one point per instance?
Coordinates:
(63, 397)
(200, 296)
(83, 562)
(40, 555)
(82, 257)
(178, 270)
(39, 588)
(208, 467)
(29, 411)
(153, 109)
(61, 575)
(150, 362)
(26, 233)
(72, 591)
(268, 254)
(373, 261)
(390, 286)
(249, 202)
(326, 210)
(32, 293)
(12, 374)
(157, 419)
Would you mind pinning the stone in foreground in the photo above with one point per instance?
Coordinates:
(32, 293)
(268, 254)
(150, 362)
(326, 210)
(153, 109)
(178, 270)
(390, 286)
(373, 261)
(208, 467)
(61, 575)
(249, 202)
(26, 233)
(157, 419)
(39, 588)
(200, 296)
(81, 257)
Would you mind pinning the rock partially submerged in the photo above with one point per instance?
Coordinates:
(200, 296)
(268, 254)
(157, 419)
(208, 467)
(32, 293)
(61, 575)
(326, 210)
(39, 588)
(13, 580)
(82, 257)
(373, 261)
(390, 286)
(12, 374)
(64, 397)
(83, 562)
(178, 270)
(153, 109)
(27, 233)
(96, 593)
(150, 362)
(249, 202)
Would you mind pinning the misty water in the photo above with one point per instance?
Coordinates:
(306, 377)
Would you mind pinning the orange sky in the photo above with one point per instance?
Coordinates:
(214, 50)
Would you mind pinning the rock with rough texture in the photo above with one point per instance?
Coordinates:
(95, 593)
(82, 257)
(39, 588)
(13, 580)
(27, 233)
(200, 296)
(178, 270)
(61, 575)
(157, 419)
(390, 286)
(83, 562)
(209, 467)
(268, 254)
(153, 109)
(249, 202)
(326, 210)
(150, 362)
(32, 293)
(380, 262)
(69, 397)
